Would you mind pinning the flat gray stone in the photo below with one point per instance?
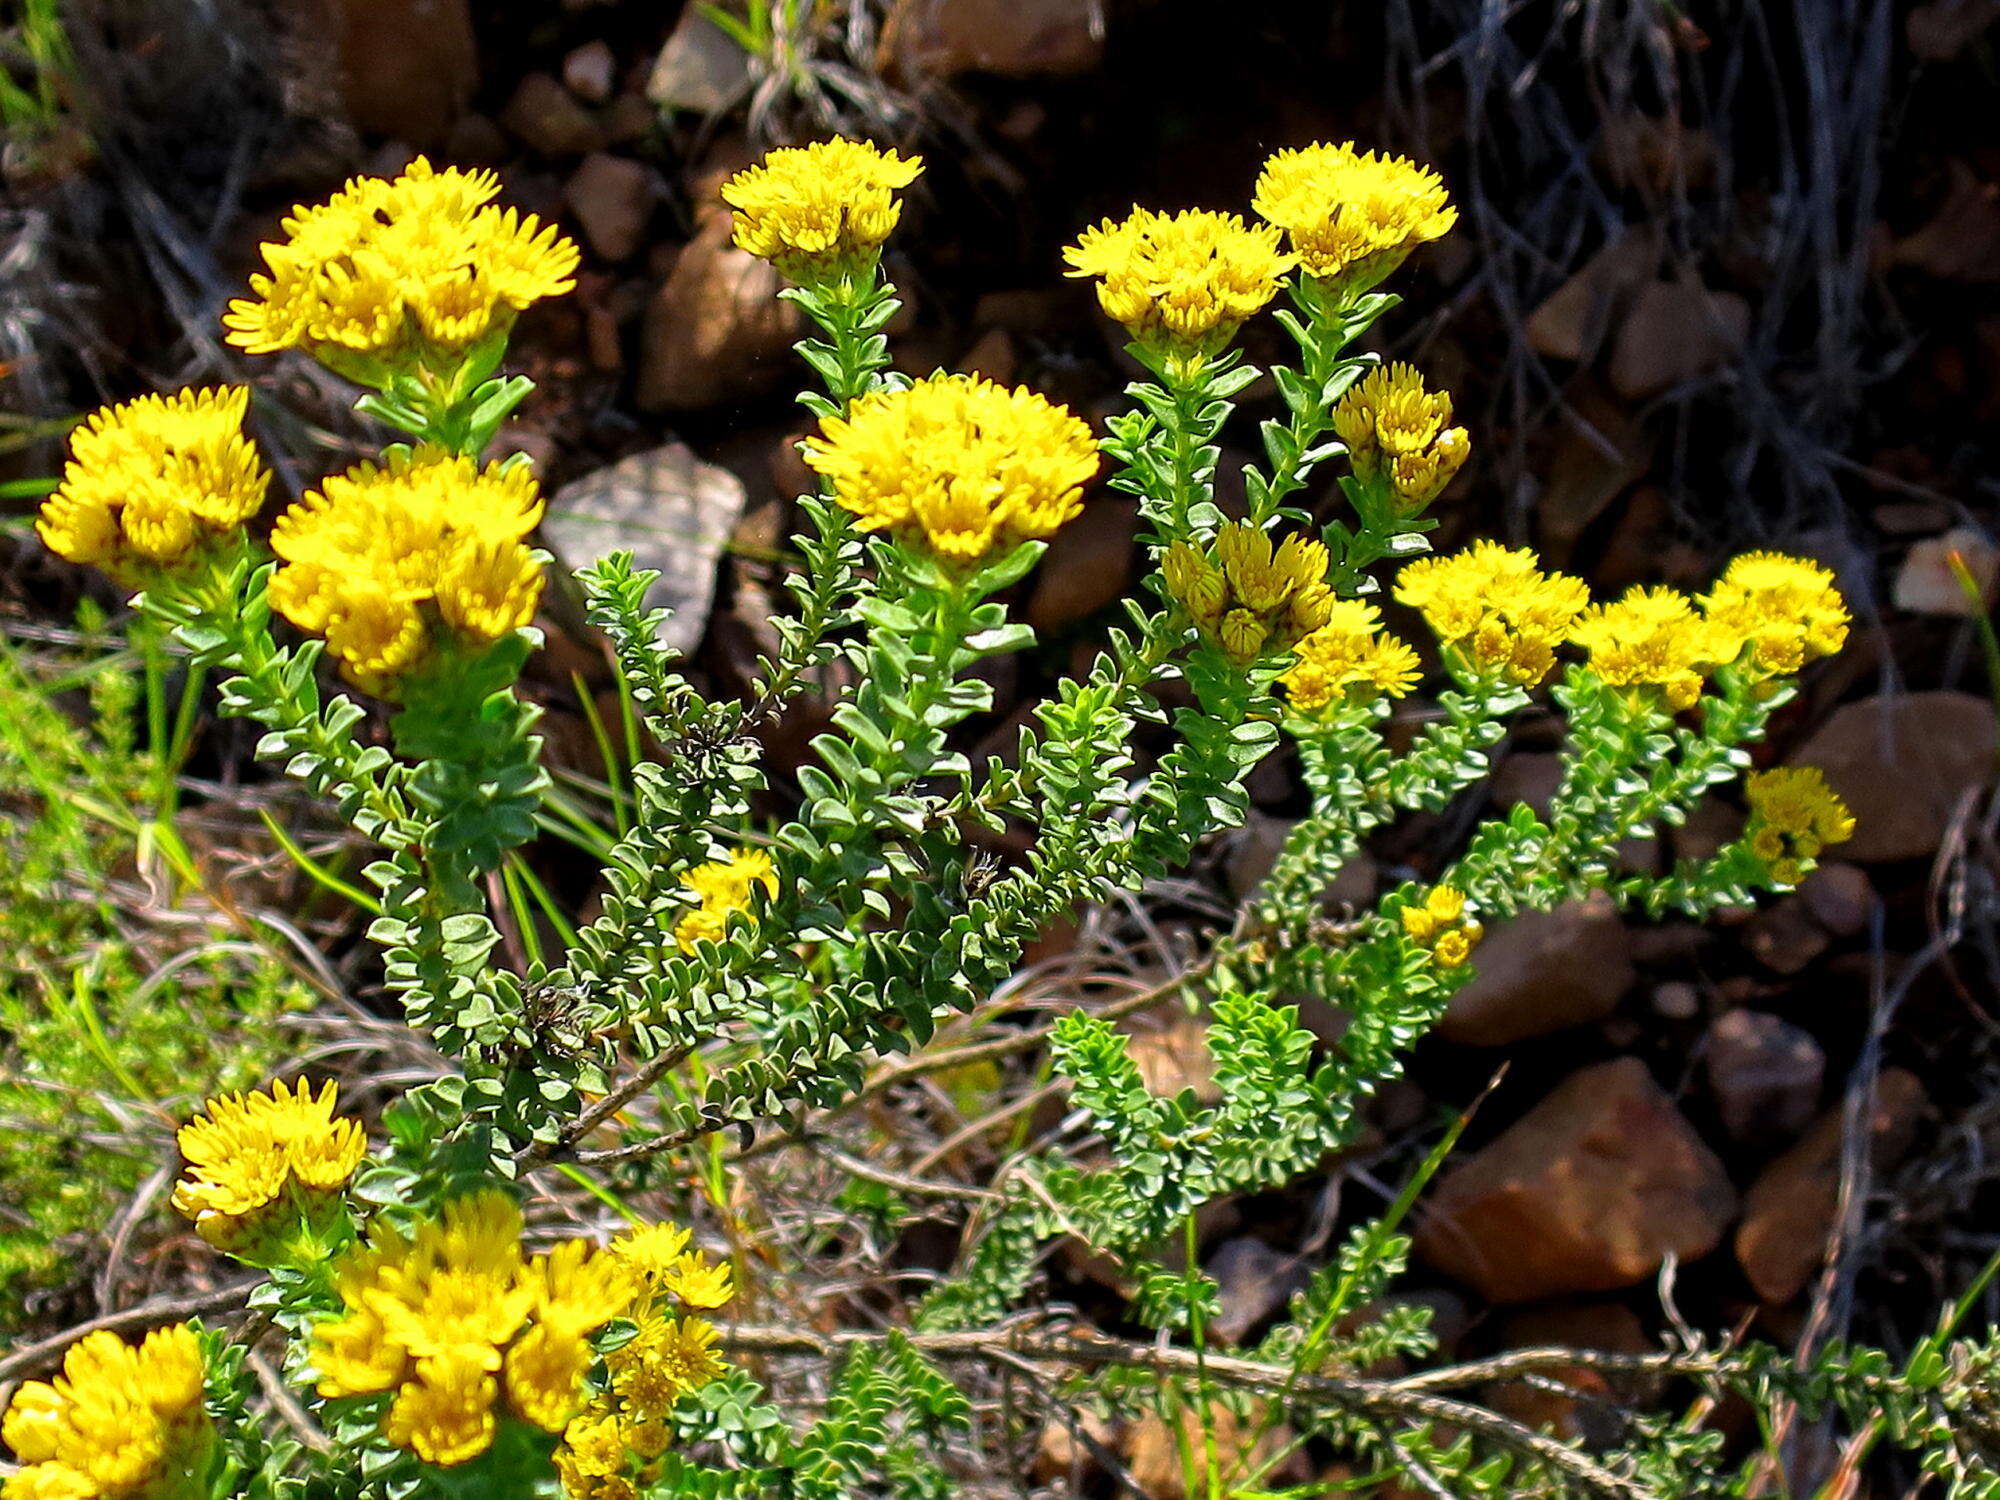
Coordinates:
(667, 508)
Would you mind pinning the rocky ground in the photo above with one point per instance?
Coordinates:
(1710, 291)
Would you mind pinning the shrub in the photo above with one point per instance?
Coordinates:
(761, 969)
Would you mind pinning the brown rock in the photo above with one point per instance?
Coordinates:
(1171, 1053)
(1541, 972)
(1527, 777)
(408, 68)
(700, 69)
(1910, 517)
(1009, 38)
(590, 71)
(1573, 320)
(1840, 897)
(1602, 450)
(1590, 1415)
(1784, 938)
(1253, 1281)
(1709, 825)
(715, 331)
(1588, 1192)
(1903, 762)
(546, 117)
(1676, 331)
(1962, 240)
(992, 356)
(1942, 29)
(1789, 1212)
(1088, 566)
(612, 198)
(1655, 155)
(1153, 1453)
(1927, 584)
(1068, 1454)
(1764, 1074)
(1676, 1000)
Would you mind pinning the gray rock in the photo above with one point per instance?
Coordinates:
(671, 511)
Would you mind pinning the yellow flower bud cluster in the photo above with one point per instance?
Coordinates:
(264, 1166)
(150, 480)
(1656, 639)
(722, 889)
(956, 465)
(616, 1442)
(1398, 434)
(1351, 216)
(1496, 608)
(462, 1329)
(1786, 608)
(1794, 815)
(1440, 924)
(385, 272)
(820, 210)
(1183, 282)
(1349, 660)
(1247, 597)
(389, 562)
(121, 1422)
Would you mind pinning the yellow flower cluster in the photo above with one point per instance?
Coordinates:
(1786, 608)
(1794, 815)
(1349, 660)
(261, 1165)
(423, 266)
(462, 1326)
(819, 210)
(1185, 281)
(1440, 924)
(956, 464)
(613, 1445)
(1655, 638)
(1399, 434)
(121, 1422)
(1352, 216)
(1248, 598)
(1495, 606)
(721, 889)
(384, 561)
(150, 480)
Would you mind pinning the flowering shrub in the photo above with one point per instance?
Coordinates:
(741, 972)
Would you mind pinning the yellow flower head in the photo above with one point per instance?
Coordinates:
(1495, 607)
(663, 1360)
(660, 1254)
(1352, 216)
(1349, 660)
(1786, 608)
(1248, 597)
(456, 1318)
(1794, 816)
(420, 267)
(594, 1460)
(1655, 639)
(1399, 434)
(1440, 924)
(817, 210)
(121, 1422)
(150, 480)
(1184, 281)
(956, 464)
(263, 1164)
(388, 562)
(722, 889)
